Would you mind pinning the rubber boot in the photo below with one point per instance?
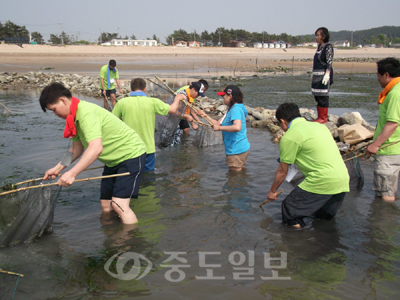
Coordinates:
(322, 114)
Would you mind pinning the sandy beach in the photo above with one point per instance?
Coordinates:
(171, 61)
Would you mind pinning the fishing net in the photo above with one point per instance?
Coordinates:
(26, 215)
(167, 127)
(206, 136)
(355, 172)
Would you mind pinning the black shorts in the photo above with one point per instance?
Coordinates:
(184, 124)
(301, 204)
(108, 92)
(123, 186)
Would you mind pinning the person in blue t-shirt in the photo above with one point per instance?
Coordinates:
(233, 125)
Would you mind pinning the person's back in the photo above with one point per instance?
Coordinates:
(139, 112)
(317, 157)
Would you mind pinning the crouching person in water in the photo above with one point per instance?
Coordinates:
(311, 147)
(233, 125)
(106, 138)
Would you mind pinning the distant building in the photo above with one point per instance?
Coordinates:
(257, 45)
(180, 44)
(343, 43)
(194, 44)
(235, 44)
(129, 42)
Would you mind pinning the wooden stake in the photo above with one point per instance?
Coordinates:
(268, 199)
(55, 183)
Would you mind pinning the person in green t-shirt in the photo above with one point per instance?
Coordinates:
(139, 112)
(108, 77)
(387, 160)
(105, 138)
(311, 147)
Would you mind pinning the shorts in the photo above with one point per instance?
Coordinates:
(123, 186)
(183, 124)
(237, 160)
(301, 204)
(108, 92)
(150, 162)
(386, 175)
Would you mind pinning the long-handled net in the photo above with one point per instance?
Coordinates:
(4, 110)
(26, 215)
(168, 132)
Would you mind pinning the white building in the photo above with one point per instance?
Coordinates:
(129, 42)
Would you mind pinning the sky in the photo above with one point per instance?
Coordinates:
(85, 19)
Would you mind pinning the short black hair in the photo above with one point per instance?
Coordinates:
(390, 65)
(138, 84)
(325, 33)
(112, 63)
(52, 93)
(204, 82)
(287, 112)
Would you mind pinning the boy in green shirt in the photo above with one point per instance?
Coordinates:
(311, 147)
(108, 77)
(139, 112)
(106, 138)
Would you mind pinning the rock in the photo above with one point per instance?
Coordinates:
(351, 118)
(259, 115)
(309, 116)
(343, 147)
(222, 108)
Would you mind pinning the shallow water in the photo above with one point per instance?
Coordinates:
(193, 205)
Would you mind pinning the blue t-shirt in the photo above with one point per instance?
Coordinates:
(236, 142)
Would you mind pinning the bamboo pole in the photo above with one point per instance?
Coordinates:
(268, 199)
(11, 273)
(205, 116)
(55, 183)
(5, 108)
(35, 179)
(364, 153)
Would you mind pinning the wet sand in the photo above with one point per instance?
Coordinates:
(174, 61)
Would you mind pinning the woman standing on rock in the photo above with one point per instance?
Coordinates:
(322, 74)
(233, 125)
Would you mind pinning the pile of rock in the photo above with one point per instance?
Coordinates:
(84, 85)
(350, 130)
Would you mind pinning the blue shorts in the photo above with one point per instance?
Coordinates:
(123, 186)
(150, 162)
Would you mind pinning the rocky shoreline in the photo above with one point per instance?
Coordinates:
(258, 117)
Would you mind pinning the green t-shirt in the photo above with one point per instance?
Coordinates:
(119, 141)
(139, 113)
(113, 76)
(389, 110)
(311, 147)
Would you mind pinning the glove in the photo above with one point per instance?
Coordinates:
(325, 80)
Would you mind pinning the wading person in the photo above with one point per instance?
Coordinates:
(326, 180)
(233, 127)
(184, 124)
(105, 138)
(108, 77)
(139, 112)
(387, 160)
(322, 73)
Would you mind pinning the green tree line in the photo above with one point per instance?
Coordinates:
(386, 35)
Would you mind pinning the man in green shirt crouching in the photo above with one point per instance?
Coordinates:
(311, 147)
(106, 138)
